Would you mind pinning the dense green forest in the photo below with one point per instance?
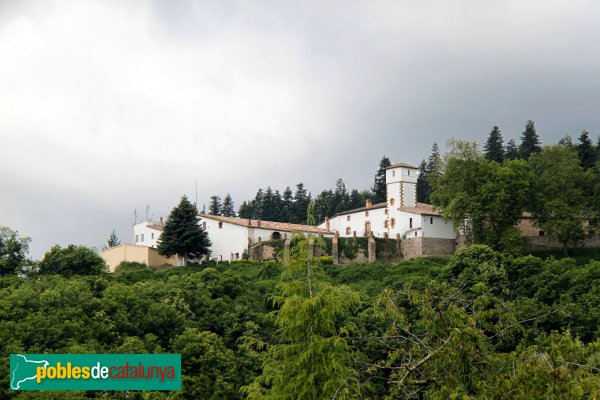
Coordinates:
(478, 325)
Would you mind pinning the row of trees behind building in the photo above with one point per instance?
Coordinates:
(485, 193)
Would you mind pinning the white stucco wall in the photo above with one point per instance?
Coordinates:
(228, 241)
(144, 235)
(438, 229)
(347, 224)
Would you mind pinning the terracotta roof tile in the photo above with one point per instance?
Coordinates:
(373, 207)
(421, 208)
(277, 226)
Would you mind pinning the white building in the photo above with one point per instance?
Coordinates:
(399, 217)
(147, 233)
(231, 236)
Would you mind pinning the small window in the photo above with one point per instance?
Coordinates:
(385, 224)
(348, 218)
(366, 213)
(408, 171)
(348, 231)
(142, 237)
(386, 211)
(237, 256)
(204, 225)
(393, 222)
(152, 235)
(393, 172)
(137, 238)
(220, 225)
(410, 223)
(431, 220)
(392, 201)
(415, 233)
(542, 233)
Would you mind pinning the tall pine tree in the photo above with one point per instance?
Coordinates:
(512, 151)
(530, 141)
(423, 189)
(214, 207)
(182, 234)
(586, 151)
(286, 204)
(494, 147)
(379, 186)
(227, 209)
(300, 204)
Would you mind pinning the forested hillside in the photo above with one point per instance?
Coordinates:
(480, 325)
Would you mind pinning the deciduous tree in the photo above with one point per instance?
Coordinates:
(13, 251)
(72, 260)
(558, 202)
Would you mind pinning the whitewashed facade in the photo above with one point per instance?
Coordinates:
(230, 236)
(147, 233)
(399, 217)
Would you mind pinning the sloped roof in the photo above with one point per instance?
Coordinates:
(423, 209)
(403, 164)
(374, 206)
(270, 225)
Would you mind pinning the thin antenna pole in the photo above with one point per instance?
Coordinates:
(135, 216)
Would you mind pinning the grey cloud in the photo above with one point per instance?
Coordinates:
(109, 106)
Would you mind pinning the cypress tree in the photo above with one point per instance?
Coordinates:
(530, 141)
(182, 234)
(512, 152)
(379, 186)
(586, 151)
(227, 209)
(494, 147)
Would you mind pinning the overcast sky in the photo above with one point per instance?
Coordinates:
(109, 106)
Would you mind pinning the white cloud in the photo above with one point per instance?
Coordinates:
(110, 105)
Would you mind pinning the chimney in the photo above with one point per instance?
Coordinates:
(327, 224)
(258, 223)
(368, 203)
